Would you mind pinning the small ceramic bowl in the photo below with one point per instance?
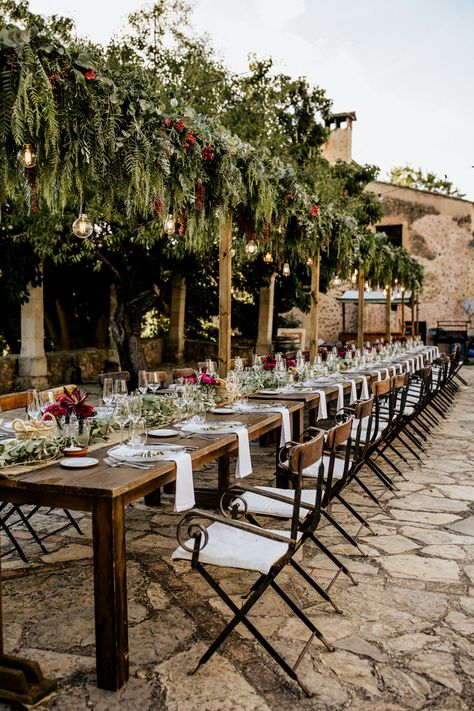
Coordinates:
(75, 451)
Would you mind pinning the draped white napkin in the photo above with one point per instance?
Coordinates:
(340, 395)
(244, 462)
(285, 434)
(411, 365)
(184, 497)
(364, 393)
(323, 408)
(353, 397)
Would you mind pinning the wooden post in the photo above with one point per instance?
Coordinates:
(265, 315)
(417, 303)
(343, 317)
(412, 305)
(225, 296)
(314, 309)
(403, 312)
(360, 311)
(174, 344)
(388, 308)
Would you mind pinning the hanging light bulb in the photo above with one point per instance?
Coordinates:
(336, 281)
(232, 252)
(251, 247)
(354, 276)
(82, 227)
(27, 156)
(286, 269)
(387, 287)
(170, 224)
(268, 258)
(309, 262)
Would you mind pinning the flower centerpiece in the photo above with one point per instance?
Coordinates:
(73, 402)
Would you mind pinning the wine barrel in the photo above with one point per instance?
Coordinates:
(286, 343)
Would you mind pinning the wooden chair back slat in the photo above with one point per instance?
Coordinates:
(116, 375)
(363, 409)
(305, 454)
(16, 401)
(339, 434)
(182, 373)
(381, 387)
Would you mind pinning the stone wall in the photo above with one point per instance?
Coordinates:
(85, 364)
(438, 231)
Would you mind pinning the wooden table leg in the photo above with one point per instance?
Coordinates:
(110, 590)
(212, 497)
(297, 424)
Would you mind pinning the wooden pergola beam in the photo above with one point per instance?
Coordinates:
(360, 310)
(314, 308)
(225, 297)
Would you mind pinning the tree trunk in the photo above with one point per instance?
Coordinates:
(225, 297)
(126, 330)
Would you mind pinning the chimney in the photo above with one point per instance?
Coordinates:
(339, 144)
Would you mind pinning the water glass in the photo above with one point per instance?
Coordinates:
(120, 389)
(122, 414)
(108, 392)
(33, 407)
(82, 434)
(135, 407)
(138, 433)
(142, 381)
(154, 382)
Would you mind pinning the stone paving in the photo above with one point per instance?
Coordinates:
(404, 640)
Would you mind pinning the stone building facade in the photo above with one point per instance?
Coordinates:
(437, 230)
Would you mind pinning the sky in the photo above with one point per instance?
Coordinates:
(404, 66)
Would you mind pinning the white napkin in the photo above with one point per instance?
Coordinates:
(353, 397)
(411, 365)
(184, 497)
(364, 392)
(340, 396)
(322, 409)
(285, 434)
(244, 461)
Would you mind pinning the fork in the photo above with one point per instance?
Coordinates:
(122, 462)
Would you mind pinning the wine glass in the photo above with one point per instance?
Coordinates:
(154, 382)
(33, 407)
(108, 392)
(142, 381)
(120, 389)
(138, 433)
(122, 414)
(135, 407)
(210, 367)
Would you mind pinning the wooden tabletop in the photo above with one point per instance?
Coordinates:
(105, 481)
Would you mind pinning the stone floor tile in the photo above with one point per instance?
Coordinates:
(465, 526)
(415, 566)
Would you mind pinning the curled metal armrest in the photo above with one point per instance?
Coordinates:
(187, 526)
(235, 490)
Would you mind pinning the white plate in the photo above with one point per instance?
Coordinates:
(154, 453)
(254, 406)
(162, 433)
(78, 462)
(222, 411)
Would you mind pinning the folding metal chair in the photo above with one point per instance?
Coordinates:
(231, 543)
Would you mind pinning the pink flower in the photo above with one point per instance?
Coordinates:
(291, 363)
(314, 210)
(208, 379)
(179, 126)
(190, 379)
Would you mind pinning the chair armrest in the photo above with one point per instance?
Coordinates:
(236, 489)
(194, 529)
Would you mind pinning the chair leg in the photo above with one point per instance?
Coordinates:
(321, 591)
(355, 513)
(342, 531)
(334, 559)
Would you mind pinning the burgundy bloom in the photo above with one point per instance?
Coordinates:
(179, 126)
(83, 411)
(314, 210)
(55, 409)
(208, 379)
(207, 153)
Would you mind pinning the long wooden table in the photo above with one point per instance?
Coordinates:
(106, 492)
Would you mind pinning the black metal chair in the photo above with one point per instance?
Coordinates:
(229, 542)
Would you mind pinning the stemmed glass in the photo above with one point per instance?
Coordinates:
(154, 382)
(135, 407)
(122, 414)
(120, 389)
(210, 367)
(33, 407)
(108, 392)
(142, 381)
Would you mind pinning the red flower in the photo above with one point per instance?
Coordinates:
(56, 409)
(83, 411)
(158, 206)
(179, 126)
(314, 210)
(168, 122)
(190, 379)
(207, 153)
(90, 75)
(291, 363)
(190, 139)
(290, 196)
